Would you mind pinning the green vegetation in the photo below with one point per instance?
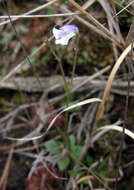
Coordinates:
(83, 148)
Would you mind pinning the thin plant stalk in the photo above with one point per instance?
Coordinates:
(62, 72)
(75, 58)
(65, 83)
(62, 132)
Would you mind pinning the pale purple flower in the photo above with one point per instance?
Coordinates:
(64, 33)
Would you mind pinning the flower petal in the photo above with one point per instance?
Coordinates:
(64, 33)
(57, 33)
(70, 28)
(65, 40)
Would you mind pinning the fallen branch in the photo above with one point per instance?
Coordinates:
(55, 83)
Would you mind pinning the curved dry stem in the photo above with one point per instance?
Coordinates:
(91, 100)
(118, 128)
(109, 82)
(87, 101)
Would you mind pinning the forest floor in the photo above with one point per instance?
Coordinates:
(89, 82)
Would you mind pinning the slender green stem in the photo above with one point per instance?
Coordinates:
(65, 82)
(63, 74)
(75, 58)
(66, 87)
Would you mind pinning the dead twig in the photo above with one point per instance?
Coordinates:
(4, 177)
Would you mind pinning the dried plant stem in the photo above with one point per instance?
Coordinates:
(31, 11)
(109, 83)
(4, 177)
(62, 72)
(87, 101)
(75, 58)
(65, 83)
(99, 25)
(40, 16)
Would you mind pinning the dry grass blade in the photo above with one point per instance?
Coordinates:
(40, 16)
(122, 7)
(98, 24)
(91, 100)
(110, 80)
(82, 103)
(82, 179)
(112, 23)
(88, 24)
(83, 21)
(91, 78)
(118, 128)
(30, 12)
(22, 66)
(125, 8)
(4, 177)
(88, 4)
